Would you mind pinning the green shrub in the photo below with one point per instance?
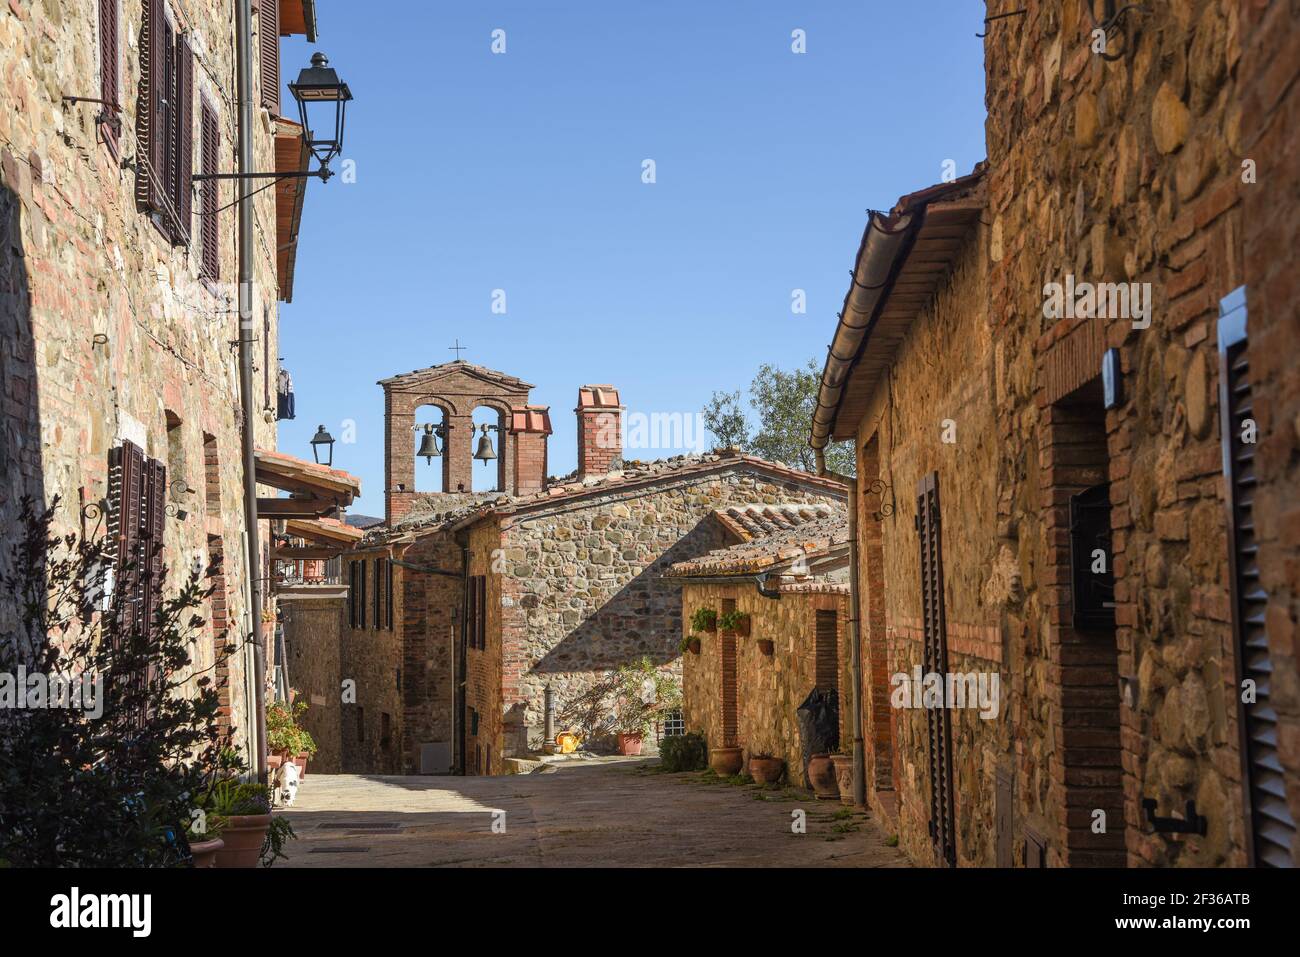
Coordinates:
(684, 752)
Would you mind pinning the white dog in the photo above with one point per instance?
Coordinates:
(286, 784)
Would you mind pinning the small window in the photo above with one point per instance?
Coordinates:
(385, 730)
(361, 723)
(379, 592)
(361, 597)
(1092, 578)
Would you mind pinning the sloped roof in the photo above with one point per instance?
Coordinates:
(809, 539)
(633, 476)
(288, 472)
(748, 522)
(510, 382)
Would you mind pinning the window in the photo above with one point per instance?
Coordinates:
(268, 28)
(385, 730)
(361, 597)
(388, 601)
(137, 491)
(210, 193)
(352, 594)
(361, 723)
(110, 71)
(476, 615)
(379, 591)
(826, 664)
(165, 124)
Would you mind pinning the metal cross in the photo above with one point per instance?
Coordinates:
(457, 348)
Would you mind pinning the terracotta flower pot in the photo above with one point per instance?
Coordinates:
(205, 852)
(629, 744)
(821, 775)
(743, 627)
(765, 770)
(300, 759)
(273, 761)
(767, 646)
(693, 646)
(844, 777)
(243, 837)
(726, 762)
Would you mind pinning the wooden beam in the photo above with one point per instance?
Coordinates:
(277, 508)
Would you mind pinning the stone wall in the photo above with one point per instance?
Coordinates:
(769, 689)
(109, 331)
(313, 625)
(371, 658)
(429, 620)
(939, 417)
(1121, 171)
(581, 585)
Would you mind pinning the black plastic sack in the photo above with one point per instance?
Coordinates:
(819, 726)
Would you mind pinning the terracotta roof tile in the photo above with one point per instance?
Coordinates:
(809, 539)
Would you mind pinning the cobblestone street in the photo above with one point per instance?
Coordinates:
(602, 812)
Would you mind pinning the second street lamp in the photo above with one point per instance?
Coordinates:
(323, 439)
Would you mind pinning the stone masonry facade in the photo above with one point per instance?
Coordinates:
(113, 331)
(1162, 162)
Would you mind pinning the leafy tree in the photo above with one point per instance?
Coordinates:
(783, 403)
(117, 788)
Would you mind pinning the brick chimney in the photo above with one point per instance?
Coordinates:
(530, 427)
(600, 430)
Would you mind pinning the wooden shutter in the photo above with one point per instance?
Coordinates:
(480, 611)
(210, 152)
(110, 68)
(268, 28)
(151, 108)
(183, 170)
(929, 527)
(388, 600)
(352, 595)
(361, 598)
(379, 593)
(826, 666)
(1269, 824)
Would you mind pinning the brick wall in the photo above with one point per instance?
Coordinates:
(313, 632)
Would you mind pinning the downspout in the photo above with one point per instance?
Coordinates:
(855, 636)
(462, 664)
(244, 82)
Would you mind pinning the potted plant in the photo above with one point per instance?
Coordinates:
(726, 762)
(704, 619)
(843, 764)
(765, 768)
(821, 775)
(205, 844)
(286, 739)
(736, 622)
(641, 692)
(249, 832)
(691, 643)
(767, 646)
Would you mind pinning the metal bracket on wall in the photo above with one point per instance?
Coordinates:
(1192, 823)
(882, 489)
(1000, 16)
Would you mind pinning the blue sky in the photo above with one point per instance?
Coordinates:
(522, 172)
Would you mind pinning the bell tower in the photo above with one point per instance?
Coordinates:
(445, 397)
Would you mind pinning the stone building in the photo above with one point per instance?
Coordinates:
(788, 572)
(118, 301)
(1076, 448)
(465, 608)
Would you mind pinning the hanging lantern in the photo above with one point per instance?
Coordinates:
(485, 451)
(429, 445)
(322, 440)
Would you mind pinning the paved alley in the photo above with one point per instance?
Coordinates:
(602, 812)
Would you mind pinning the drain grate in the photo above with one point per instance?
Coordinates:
(359, 826)
(339, 850)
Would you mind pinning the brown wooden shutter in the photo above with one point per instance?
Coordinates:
(826, 667)
(150, 131)
(352, 595)
(269, 32)
(125, 482)
(480, 611)
(388, 589)
(110, 67)
(379, 593)
(210, 153)
(1269, 824)
(184, 166)
(929, 528)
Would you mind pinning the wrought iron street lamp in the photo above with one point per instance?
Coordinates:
(320, 87)
(319, 440)
(317, 91)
